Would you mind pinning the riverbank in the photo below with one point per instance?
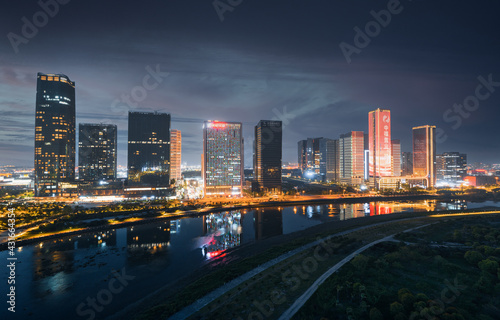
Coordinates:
(208, 210)
(238, 261)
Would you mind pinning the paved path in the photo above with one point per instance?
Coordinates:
(202, 302)
(290, 312)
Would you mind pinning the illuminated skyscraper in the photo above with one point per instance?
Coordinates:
(267, 152)
(175, 154)
(351, 157)
(222, 165)
(97, 152)
(424, 154)
(55, 140)
(148, 149)
(379, 143)
(396, 158)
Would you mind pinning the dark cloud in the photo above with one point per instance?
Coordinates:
(266, 58)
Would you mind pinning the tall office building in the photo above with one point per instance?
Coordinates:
(309, 156)
(97, 152)
(55, 139)
(407, 163)
(424, 154)
(329, 159)
(451, 166)
(222, 163)
(148, 149)
(268, 154)
(351, 157)
(379, 143)
(396, 158)
(175, 154)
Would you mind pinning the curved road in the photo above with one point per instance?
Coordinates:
(212, 296)
(290, 312)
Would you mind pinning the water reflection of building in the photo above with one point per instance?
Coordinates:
(175, 226)
(379, 208)
(452, 205)
(147, 242)
(355, 210)
(100, 239)
(49, 260)
(52, 257)
(225, 231)
(268, 223)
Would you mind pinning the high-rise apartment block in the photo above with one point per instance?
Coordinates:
(451, 166)
(97, 152)
(351, 157)
(175, 154)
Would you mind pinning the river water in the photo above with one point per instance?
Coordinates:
(59, 279)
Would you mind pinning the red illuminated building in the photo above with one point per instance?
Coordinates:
(379, 143)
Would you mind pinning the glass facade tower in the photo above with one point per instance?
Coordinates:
(148, 149)
(55, 139)
(267, 153)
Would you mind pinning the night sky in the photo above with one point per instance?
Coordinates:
(265, 59)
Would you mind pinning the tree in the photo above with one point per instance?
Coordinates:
(488, 265)
(396, 308)
(360, 262)
(407, 299)
(375, 314)
(473, 257)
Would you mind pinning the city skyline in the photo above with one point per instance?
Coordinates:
(225, 72)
